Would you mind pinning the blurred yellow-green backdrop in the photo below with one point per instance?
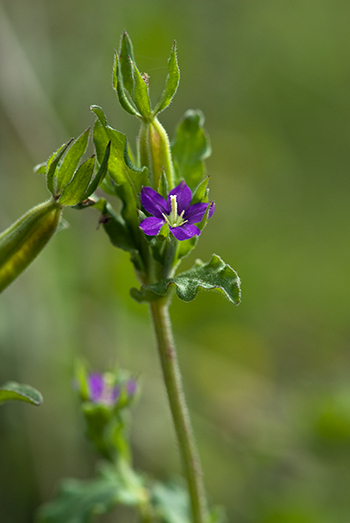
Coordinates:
(268, 382)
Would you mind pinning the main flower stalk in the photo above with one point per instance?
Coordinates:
(181, 419)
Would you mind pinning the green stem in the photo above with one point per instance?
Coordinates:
(182, 423)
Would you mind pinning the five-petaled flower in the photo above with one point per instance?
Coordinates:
(102, 390)
(176, 211)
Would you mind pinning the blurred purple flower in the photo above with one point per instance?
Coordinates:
(176, 211)
(103, 392)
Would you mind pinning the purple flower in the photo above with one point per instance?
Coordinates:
(176, 211)
(102, 389)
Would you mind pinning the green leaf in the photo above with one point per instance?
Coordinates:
(190, 147)
(74, 192)
(99, 176)
(23, 240)
(79, 501)
(201, 193)
(126, 52)
(118, 85)
(16, 391)
(52, 164)
(139, 93)
(163, 186)
(71, 160)
(171, 83)
(215, 274)
(40, 168)
(128, 179)
(171, 503)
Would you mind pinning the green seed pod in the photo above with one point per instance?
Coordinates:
(23, 240)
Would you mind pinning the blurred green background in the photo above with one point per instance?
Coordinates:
(268, 382)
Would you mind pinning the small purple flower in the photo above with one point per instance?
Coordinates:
(102, 390)
(176, 211)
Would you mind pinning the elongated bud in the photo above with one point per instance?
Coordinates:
(155, 152)
(23, 241)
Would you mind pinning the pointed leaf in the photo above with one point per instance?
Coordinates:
(215, 274)
(139, 92)
(75, 190)
(171, 83)
(16, 391)
(126, 52)
(71, 160)
(40, 168)
(118, 85)
(52, 164)
(99, 176)
(190, 147)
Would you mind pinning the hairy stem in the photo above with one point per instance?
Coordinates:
(182, 423)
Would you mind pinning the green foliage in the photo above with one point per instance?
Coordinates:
(215, 274)
(16, 391)
(79, 501)
(171, 503)
(21, 243)
(171, 83)
(71, 160)
(190, 147)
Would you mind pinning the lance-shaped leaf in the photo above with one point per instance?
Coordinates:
(52, 165)
(22, 241)
(190, 147)
(215, 274)
(71, 160)
(79, 501)
(16, 391)
(139, 93)
(128, 179)
(118, 85)
(171, 83)
(126, 52)
(75, 190)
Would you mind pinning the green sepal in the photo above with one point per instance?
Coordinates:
(215, 274)
(75, 190)
(118, 85)
(100, 175)
(126, 52)
(52, 164)
(79, 501)
(16, 391)
(190, 147)
(23, 241)
(128, 179)
(139, 93)
(201, 193)
(71, 160)
(163, 186)
(171, 83)
(40, 168)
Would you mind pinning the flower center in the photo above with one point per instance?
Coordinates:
(174, 219)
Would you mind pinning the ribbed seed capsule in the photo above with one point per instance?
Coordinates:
(22, 242)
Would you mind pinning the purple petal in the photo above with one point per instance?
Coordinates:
(151, 226)
(131, 386)
(212, 209)
(195, 212)
(183, 197)
(153, 202)
(96, 386)
(185, 231)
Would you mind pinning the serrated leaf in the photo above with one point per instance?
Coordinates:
(79, 501)
(171, 503)
(75, 190)
(71, 160)
(215, 274)
(16, 391)
(139, 93)
(190, 147)
(171, 83)
(52, 164)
